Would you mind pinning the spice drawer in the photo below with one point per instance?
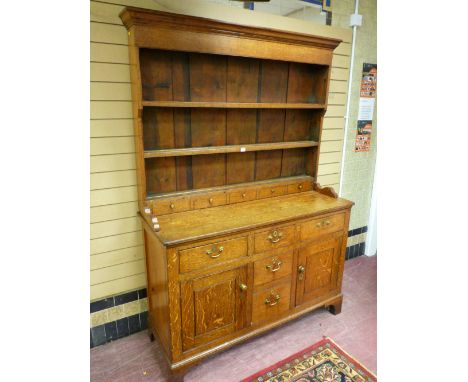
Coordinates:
(322, 226)
(167, 206)
(212, 254)
(299, 187)
(273, 268)
(269, 192)
(209, 200)
(271, 301)
(274, 238)
(243, 195)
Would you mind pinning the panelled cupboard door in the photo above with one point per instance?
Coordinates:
(213, 306)
(317, 269)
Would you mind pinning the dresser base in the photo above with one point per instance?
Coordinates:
(179, 369)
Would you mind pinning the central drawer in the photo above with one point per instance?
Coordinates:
(272, 268)
(274, 238)
(212, 254)
(271, 301)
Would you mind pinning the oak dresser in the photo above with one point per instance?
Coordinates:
(239, 237)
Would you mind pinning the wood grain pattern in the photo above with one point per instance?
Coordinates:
(212, 254)
(271, 301)
(197, 224)
(321, 263)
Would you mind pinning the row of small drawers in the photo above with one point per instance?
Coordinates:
(219, 252)
(213, 199)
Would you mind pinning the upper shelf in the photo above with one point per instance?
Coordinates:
(228, 149)
(236, 105)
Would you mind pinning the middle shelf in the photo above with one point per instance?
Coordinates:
(227, 149)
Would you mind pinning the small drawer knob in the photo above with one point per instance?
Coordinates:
(172, 206)
(210, 200)
(243, 287)
(300, 187)
(243, 195)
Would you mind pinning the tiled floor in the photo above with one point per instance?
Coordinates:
(137, 359)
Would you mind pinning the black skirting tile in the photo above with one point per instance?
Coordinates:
(96, 306)
(143, 320)
(122, 327)
(142, 293)
(111, 331)
(126, 297)
(98, 334)
(134, 323)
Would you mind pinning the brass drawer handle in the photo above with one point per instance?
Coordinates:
(323, 223)
(301, 271)
(274, 299)
(275, 266)
(275, 236)
(243, 287)
(213, 250)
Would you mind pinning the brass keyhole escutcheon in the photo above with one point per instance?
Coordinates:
(243, 287)
(301, 272)
(214, 252)
(275, 236)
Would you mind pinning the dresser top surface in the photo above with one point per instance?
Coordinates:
(193, 225)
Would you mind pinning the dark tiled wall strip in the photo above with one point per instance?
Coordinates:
(121, 328)
(357, 231)
(117, 329)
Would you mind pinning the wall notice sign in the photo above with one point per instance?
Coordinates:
(363, 136)
(366, 107)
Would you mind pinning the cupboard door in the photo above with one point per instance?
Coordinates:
(318, 269)
(213, 306)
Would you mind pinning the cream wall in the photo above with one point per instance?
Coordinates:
(359, 167)
(116, 247)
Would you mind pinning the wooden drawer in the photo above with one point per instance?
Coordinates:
(299, 187)
(243, 195)
(272, 268)
(267, 192)
(322, 226)
(209, 200)
(167, 206)
(270, 302)
(274, 238)
(212, 254)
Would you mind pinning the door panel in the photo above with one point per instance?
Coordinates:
(213, 306)
(318, 265)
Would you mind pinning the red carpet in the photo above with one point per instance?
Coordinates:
(324, 361)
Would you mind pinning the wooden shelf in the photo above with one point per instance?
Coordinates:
(236, 105)
(228, 149)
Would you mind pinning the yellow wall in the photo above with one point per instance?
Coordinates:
(117, 262)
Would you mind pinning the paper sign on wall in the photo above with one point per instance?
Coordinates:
(366, 107)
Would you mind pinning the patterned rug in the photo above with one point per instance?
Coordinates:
(323, 362)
